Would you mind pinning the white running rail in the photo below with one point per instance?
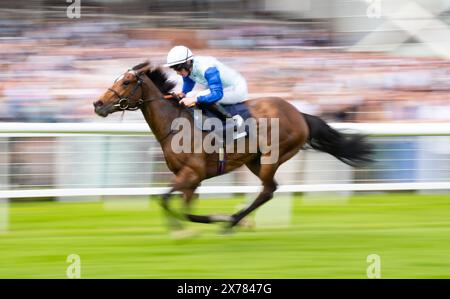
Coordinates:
(9, 130)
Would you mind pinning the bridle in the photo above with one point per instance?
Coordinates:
(124, 102)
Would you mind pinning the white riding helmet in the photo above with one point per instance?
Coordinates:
(177, 55)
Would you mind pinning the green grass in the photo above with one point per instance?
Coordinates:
(411, 234)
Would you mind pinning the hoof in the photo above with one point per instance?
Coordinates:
(247, 223)
(226, 230)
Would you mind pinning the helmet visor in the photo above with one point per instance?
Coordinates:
(180, 66)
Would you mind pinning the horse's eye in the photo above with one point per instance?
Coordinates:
(126, 83)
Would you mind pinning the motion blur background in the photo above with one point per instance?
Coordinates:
(349, 60)
(345, 60)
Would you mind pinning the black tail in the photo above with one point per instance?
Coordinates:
(352, 149)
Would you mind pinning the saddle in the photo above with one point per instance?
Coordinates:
(202, 114)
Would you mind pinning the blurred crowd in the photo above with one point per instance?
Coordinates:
(52, 70)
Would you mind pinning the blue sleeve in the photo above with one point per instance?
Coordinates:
(188, 85)
(212, 76)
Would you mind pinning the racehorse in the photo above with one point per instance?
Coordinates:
(148, 89)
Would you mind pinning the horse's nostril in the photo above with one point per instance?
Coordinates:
(98, 104)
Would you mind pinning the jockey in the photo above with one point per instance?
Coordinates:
(223, 84)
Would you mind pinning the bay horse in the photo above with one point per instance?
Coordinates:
(148, 89)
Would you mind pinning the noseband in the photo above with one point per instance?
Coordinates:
(124, 102)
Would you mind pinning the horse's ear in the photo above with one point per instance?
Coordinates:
(143, 68)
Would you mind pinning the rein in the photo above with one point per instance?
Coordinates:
(124, 102)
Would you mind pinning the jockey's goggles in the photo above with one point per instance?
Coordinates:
(178, 67)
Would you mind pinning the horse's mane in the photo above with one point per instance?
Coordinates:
(158, 77)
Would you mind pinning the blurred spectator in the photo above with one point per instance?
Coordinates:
(53, 67)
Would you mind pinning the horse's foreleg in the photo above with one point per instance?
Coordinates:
(188, 196)
(185, 181)
(171, 216)
(165, 199)
(209, 218)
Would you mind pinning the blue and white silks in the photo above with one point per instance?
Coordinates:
(223, 84)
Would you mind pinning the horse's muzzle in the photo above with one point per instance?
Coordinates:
(98, 103)
(99, 109)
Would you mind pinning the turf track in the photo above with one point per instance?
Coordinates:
(411, 234)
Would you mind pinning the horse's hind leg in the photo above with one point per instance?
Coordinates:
(266, 173)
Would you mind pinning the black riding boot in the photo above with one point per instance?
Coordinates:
(219, 111)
